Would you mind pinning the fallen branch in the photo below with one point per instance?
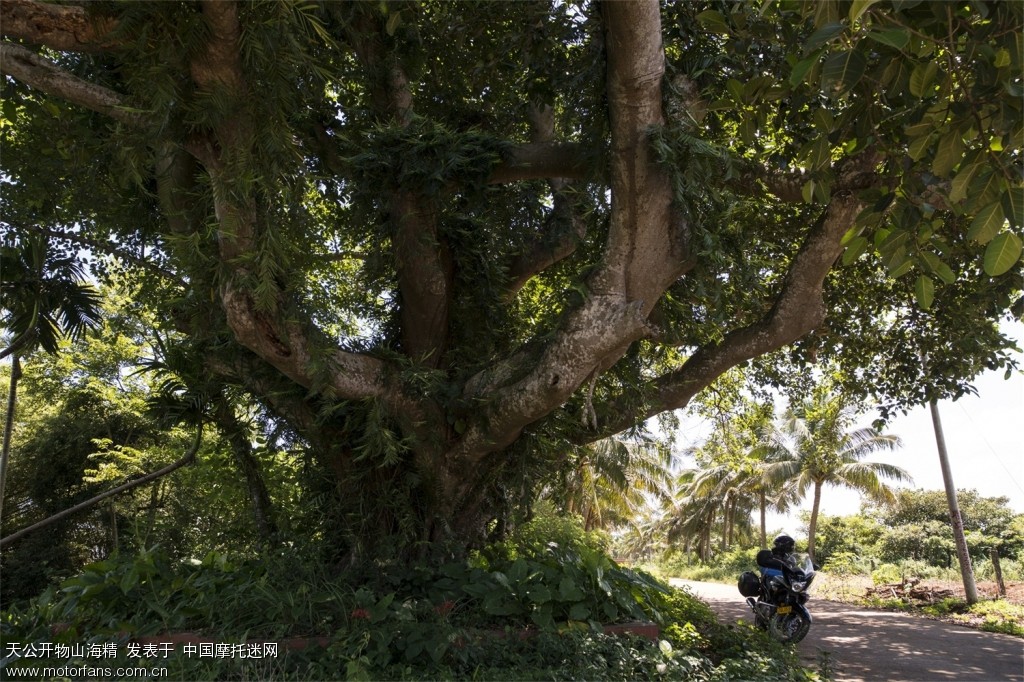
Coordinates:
(188, 458)
(910, 590)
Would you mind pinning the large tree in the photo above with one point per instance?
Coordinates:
(445, 242)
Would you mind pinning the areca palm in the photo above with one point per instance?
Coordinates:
(814, 448)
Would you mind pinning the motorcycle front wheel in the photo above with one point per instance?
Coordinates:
(789, 628)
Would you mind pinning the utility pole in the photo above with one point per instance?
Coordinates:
(970, 589)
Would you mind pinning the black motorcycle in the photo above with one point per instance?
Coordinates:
(777, 600)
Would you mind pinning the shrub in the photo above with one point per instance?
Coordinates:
(1012, 569)
(724, 568)
(911, 568)
(846, 564)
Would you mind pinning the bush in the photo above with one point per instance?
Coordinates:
(846, 564)
(1012, 570)
(911, 568)
(724, 568)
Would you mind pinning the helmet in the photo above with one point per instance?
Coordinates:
(783, 544)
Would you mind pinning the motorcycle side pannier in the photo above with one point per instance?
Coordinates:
(749, 585)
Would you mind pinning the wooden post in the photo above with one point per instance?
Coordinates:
(999, 572)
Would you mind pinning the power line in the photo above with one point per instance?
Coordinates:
(995, 454)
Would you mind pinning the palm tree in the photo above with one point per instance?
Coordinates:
(610, 481)
(42, 298)
(813, 448)
(769, 494)
(720, 490)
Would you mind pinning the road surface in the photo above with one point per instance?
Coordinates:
(880, 646)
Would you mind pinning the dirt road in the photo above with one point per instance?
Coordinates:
(868, 646)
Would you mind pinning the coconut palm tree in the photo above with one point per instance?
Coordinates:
(611, 480)
(814, 448)
(42, 298)
(721, 490)
(770, 495)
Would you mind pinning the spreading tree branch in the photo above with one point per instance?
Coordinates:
(563, 230)
(60, 27)
(798, 309)
(109, 249)
(423, 259)
(644, 254)
(647, 247)
(540, 160)
(42, 74)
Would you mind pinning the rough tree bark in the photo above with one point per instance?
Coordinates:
(646, 251)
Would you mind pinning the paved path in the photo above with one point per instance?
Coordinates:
(868, 646)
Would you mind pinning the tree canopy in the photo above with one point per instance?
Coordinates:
(444, 270)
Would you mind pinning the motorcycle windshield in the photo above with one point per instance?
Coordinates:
(804, 564)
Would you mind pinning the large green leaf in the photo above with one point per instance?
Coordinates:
(714, 21)
(919, 146)
(935, 264)
(961, 182)
(822, 36)
(986, 187)
(858, 8)
(1002, 253)
(802, 68)
(924, 291)
(948, 154)
(922, 78)
(843, 70)
(1013, 206)
(857, 246)
(897, 38)
(987, 223)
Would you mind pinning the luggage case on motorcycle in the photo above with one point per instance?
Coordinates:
(749, 584)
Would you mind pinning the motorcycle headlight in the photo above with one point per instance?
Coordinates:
(799, 586)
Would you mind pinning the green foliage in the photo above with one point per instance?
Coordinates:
(424, 157)
(995, 615)
(909, 569)
(722, 568)
(428, 624)
(999, 615)
(918, 527)
(855, 535)
(43, 296)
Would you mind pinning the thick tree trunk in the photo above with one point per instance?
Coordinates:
(646, 251)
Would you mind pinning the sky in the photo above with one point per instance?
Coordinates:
(984, 438)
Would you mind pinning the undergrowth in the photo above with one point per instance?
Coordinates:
(521, 610)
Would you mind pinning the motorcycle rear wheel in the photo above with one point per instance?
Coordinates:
(789, 628)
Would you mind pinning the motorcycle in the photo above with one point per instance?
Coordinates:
(777, 599)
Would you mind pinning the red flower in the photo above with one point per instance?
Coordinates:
(444, 607)
(360, 614)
